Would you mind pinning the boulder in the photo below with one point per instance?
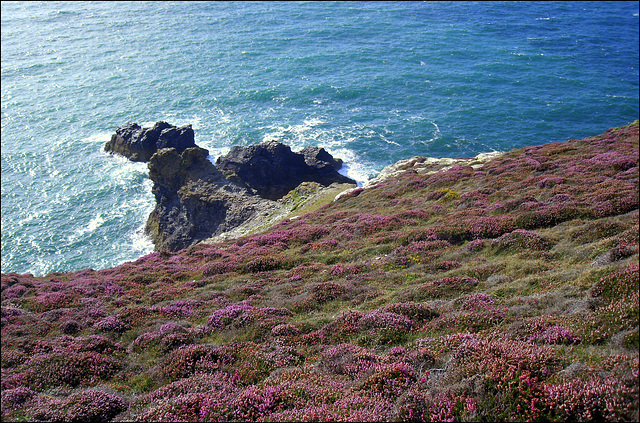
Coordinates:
(139, 144)
(271, 169)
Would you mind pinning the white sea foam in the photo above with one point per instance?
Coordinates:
(93, 224)
(294, 135)
(140, 242)
(99, 137)
(353, 166)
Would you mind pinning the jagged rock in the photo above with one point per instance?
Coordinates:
(194, 200)
(139, 144)
(319, 158)
(272, 169)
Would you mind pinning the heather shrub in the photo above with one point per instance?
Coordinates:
(209, 337)
(285, 330)
(216, 268)
(617, 285)
(11, 379)
(14, 399)
(263, 264)
(519, 240)
(242, 314)
(229, 314)
(306, 234)
(9, 312)
(216, 382)
(203, 397)
(378, 319)
(616, 317)
(243, 291)
(548, 215)
(594, 399)
(510, 373)
(389, 380)
(188, 407)
(12, 358)
(327, 291)
(84, 406)
(555, 335)
(250, 363)
(616, 303)
(349, 360)
(447, 265)
(354, 406)
(443, 288)
(13, 291)
(595, 231)
(473, 313)
(475, 245)
(112, 324)
(612, 159)
(169, 336)
(416, 312)
(309, 386)
(342, 328)
(473, 224)
(177, 309)
(321, 293)
(96, 343)
(542, 330)
(45, 301)
(68, 368)
(254, 403)
(474, 301)
(425, 406)
(69, 327)
(190, 359)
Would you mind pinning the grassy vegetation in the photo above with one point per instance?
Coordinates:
(505, 292)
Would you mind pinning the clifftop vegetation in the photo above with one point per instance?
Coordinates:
(505, 292)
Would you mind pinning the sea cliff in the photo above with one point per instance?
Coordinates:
(488, 289)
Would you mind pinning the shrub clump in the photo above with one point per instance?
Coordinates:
(519, 240)
(191, 359)
(68, 368)
(14, 399)
(418, 313)
(84, 406)
(449, 287)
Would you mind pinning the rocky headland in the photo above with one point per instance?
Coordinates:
(197, 200)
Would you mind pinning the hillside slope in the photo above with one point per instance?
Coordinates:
(504, 292)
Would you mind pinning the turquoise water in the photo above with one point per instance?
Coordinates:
(373, 83)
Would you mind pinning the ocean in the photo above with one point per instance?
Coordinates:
(371, 82)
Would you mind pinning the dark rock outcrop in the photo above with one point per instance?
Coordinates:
(139, 144)
(272, 169)
(194, 200)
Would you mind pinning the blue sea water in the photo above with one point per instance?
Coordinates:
(372, 82)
